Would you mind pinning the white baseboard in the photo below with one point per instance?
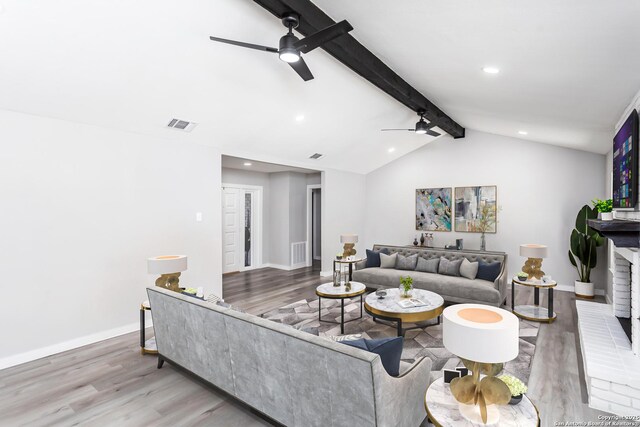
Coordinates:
(285, 267)
(39, 353)
(571, 288)
(326, 273)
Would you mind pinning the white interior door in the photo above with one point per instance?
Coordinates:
(232, 252)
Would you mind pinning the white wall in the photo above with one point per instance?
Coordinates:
(279, 249)
(540, 190)
(82, 209)
(261, 179)
(343, 197)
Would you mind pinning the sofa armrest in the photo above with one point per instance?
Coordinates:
(400, 400)
(361, 264)
(502, 280)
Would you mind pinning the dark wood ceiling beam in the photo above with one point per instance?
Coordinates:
(359, 59)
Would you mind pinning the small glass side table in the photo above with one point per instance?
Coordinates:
(349, 262)
(535, 312)
(147, 346)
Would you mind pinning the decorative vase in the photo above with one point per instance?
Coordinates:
(405, 292)
(515, 399)
(606, 216)
(415, 241)
(337, 277)
(584, 289)
(483, 242)
(422, 239)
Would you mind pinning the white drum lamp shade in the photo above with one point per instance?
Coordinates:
(530, 250)
(349, 238)
(480, 333)
(167, 264)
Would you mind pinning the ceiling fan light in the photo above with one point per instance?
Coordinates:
(421, 131)
(421, 127)
(289, 55)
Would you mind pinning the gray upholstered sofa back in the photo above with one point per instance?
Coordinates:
(449, 254)
(295, 378)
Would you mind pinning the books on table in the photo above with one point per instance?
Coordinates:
(412, 303)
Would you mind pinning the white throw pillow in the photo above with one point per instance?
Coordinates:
(388, 261)
(468, 269)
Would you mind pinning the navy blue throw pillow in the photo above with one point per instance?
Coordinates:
(389, 349)
(488, 270)
(373, 257)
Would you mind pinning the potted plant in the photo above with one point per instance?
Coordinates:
(583, 253)
(406, 286)
(605, 208)
(516, 387)
(522, 276)
(486, 222)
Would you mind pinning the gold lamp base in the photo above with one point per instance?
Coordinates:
(348, 250)
(169, 281)
(471, 390)
(532, 268)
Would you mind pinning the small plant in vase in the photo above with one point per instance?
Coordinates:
(516, 387)
(406, 286)
(605, 208)
(486, 222)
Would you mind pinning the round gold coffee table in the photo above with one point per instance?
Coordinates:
(388, 308)
(327, 290)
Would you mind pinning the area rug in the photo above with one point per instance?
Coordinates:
(426, 341)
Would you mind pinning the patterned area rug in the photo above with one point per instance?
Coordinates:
(426, 341)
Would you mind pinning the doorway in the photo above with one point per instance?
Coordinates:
(242, 227)
(314, 224)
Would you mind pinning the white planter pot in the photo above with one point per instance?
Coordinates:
(584, 289)
(606, 216)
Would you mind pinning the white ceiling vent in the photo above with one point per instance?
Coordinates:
(181, 125)
(316, 156)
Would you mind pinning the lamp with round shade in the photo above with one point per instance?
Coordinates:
(484, 337)
(349, 241)
(169, 268)
(534, 254)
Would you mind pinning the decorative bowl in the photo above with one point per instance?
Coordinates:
(515, 399)
(381, 294)
(339, 257)
(523, 278)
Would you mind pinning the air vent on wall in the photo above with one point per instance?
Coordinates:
(181, 125)
(316, 156)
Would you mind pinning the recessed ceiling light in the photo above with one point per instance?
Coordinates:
(299, 117)
(247, 163)
(391, 150)
(523, 132)
(491, 70)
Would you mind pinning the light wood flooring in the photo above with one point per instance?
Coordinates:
(111, 384)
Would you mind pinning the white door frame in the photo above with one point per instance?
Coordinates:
(310, 189)
(257, 223)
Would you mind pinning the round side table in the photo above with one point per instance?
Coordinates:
(147, 346)
(327, 290)
(443, 410)
(535, 312)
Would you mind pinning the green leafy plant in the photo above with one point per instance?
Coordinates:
(603, 206)
(407, 283)
(584, 243)
(516, 386)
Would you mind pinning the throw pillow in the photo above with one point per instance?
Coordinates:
(449, 268)
(388, 261)
(468, 269)
(406, 262)
(428, 265)
(489, 270)
(389, 349)
(373, 257)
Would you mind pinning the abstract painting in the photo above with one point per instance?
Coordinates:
(433, 209)
(476, 209)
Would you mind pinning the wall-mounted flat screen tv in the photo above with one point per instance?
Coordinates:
(625, 164)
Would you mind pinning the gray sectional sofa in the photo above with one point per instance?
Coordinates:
(452, 289)
(293, 377)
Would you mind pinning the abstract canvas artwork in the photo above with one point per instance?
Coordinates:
(476, 209)
(433, 209)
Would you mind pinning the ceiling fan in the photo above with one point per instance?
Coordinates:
(291, 47)
(422, 127)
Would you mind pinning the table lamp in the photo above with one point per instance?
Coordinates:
(169, 268)
(534, 254)
(483, 337)
(349, 241)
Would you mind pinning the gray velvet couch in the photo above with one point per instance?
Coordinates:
(452, 289)
(293, 377)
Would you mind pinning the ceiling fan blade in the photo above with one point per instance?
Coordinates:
(433, 133)
(410, 130)
(307, 44)
(243, 44)
(301, 68)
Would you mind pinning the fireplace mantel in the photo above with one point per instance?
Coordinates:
(623, 233)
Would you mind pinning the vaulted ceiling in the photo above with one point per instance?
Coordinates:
(567, 70)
